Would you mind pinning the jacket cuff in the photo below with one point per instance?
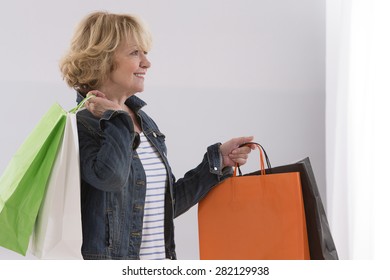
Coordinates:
(215, 162)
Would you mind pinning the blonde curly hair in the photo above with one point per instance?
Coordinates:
(90, 58)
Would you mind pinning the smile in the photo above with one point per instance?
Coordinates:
(139, 75)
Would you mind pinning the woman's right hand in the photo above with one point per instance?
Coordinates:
(98, 104)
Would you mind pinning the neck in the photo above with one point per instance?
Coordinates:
(115, 95)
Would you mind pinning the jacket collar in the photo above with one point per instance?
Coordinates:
(133, 102)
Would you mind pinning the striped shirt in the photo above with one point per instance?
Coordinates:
(153, 244)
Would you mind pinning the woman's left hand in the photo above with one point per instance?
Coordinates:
(232, 154)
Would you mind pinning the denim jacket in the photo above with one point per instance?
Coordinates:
(113, 183)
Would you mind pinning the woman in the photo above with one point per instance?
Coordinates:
(129, 195)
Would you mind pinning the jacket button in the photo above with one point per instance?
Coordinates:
(136, 234)
(138, 207)
(140, 183)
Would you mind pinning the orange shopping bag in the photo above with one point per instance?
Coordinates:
(254, 217)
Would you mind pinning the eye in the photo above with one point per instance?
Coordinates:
(138, 52)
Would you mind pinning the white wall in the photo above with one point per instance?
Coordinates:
(220, 69)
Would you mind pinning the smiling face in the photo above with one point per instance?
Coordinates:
(130, 67)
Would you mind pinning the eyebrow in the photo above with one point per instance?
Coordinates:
(131, 46)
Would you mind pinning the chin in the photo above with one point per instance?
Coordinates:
(134, 91)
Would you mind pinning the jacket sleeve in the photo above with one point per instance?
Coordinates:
(197, 182)
(105, 149)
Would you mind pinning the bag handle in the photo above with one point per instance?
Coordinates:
(80, 105)
(263, 154)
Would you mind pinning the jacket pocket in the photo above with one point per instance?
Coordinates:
(158, 139)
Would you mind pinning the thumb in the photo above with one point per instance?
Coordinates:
(246, 139)
(96, 93)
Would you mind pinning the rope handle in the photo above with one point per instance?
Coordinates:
(81, 104)
(262, 155)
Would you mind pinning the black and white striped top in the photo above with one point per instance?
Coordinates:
(153, 245)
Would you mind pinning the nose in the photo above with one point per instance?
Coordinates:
(145, 63)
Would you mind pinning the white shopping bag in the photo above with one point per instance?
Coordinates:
(58, 233)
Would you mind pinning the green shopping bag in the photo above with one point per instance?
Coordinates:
(24, 181)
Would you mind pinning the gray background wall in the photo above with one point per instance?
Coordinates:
(220, 69)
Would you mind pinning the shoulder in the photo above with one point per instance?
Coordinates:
(87, 121)
(86, 116)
